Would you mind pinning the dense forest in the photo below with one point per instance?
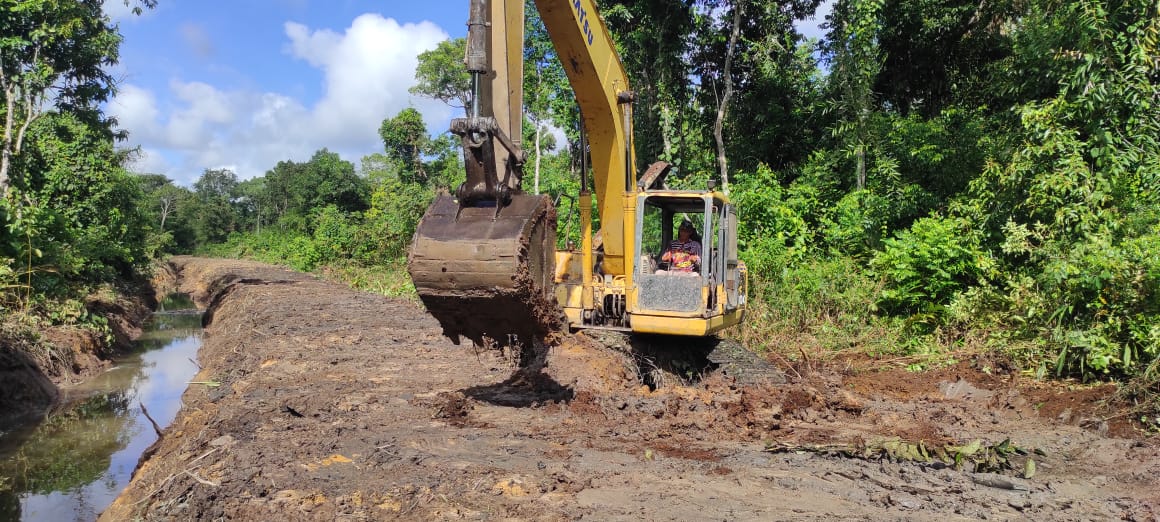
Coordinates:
(931, 181)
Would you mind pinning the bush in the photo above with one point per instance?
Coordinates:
(774, 232)
(1095, 300)
(928, 265)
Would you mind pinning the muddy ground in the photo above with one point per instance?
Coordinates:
(321, 403)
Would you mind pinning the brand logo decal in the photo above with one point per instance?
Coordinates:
(582, 16)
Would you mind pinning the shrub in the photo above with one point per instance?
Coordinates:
(928, 265)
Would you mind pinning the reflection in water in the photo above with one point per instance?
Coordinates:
(73, 464)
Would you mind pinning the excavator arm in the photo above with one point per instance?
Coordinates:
(483, 260)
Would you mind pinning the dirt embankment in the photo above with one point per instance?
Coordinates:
(316, 402)
(33, 367)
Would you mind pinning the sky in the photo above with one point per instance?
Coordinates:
(207, 84)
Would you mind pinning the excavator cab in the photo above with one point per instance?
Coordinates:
(670, 300)
(655, 297)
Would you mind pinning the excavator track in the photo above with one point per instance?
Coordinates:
(487, 275)
(742, 365)
(663, 360)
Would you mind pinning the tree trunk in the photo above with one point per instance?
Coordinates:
(860, 154)
(13, 88)
(9, 121)
(539, 132)
(666, 130)
(723, 106)
(165, 207)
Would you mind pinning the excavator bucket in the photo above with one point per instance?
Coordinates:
(488, 274)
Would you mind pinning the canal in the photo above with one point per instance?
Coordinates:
(74, 461)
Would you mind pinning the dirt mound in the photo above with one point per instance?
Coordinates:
(318, 402)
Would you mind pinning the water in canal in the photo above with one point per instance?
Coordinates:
(74, 462)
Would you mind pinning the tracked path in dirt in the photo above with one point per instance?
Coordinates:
(317, 402)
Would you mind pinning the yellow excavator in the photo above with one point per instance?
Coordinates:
(484, 259)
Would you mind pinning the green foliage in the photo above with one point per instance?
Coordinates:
(927, 266)
(73, 219)
(775, 231)
(1074, 211)
(390, 279)
(938, 53)
(779, 113)
(940, 155)
(291, 192)
(406, 140)
(336, 235)
(164, 205)
(856, 60)
(52, 53)
(210, 212)
(820, 303)
(394, 214)
(848, 228)
(441, 74)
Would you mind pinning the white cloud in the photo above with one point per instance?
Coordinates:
(366, 72)
(149, 161)
(136, 109)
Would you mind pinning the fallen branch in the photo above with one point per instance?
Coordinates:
(1003, 456)
(201, 480)
(211, 384)
(156, 428)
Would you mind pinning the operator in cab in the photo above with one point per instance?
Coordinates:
(684, 253)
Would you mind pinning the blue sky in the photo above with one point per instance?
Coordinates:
(245, 84)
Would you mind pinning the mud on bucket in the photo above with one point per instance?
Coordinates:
(487, 275)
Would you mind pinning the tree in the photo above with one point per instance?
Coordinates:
(331, 180)
(163, 201)
(281, 194)
(53, 53)
(216, 184)
(940, 53)
(547, 93)
(657, 62)
(441, 74)
(86, 206)
(211, 213)
(405, 138)
(856, 61)
(161, 195)
(774, 113)
(252, 201)
(295, 191)
(723, 104)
